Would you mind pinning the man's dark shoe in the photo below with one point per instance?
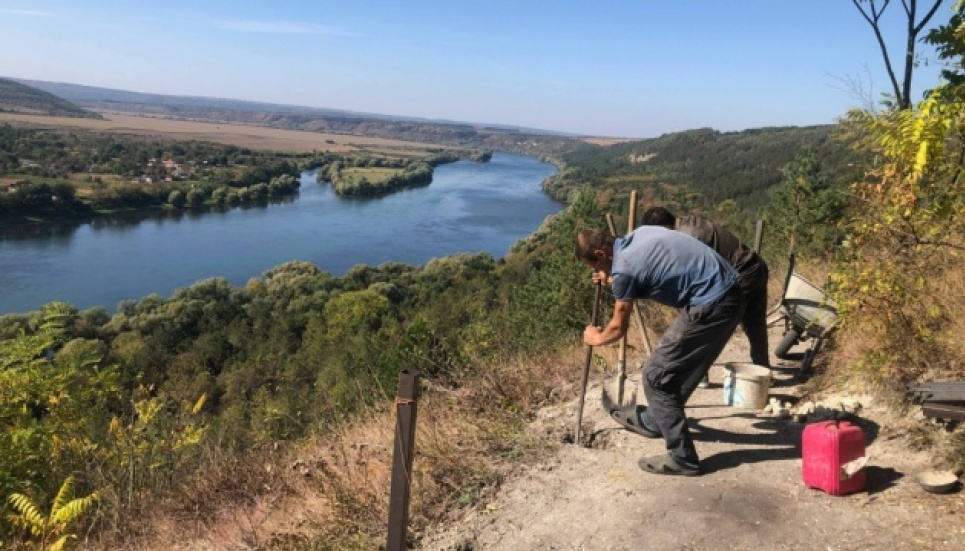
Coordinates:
(664, 464)
(629, 417)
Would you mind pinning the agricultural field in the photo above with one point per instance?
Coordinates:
(254, 137)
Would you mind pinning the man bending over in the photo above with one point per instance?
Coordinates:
(676, 270)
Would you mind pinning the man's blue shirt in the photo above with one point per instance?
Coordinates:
(668, 267)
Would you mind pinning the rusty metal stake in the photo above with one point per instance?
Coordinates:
(405, 415)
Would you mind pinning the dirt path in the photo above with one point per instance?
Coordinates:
(750, 496)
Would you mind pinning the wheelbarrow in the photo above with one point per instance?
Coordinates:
(808, 315)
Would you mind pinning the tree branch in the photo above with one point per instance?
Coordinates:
(873, 21)
(928, 16)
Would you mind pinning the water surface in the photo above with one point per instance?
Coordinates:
(469, 207)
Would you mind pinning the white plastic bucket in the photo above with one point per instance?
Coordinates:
(746, 385)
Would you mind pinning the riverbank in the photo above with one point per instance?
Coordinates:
(11, 223)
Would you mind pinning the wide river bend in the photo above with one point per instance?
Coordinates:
(469, 207)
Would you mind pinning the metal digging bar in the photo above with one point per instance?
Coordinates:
(586, 367)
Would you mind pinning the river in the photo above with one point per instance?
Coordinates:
(469, 207)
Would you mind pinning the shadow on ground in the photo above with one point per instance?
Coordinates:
(880, 479)
(780, 441)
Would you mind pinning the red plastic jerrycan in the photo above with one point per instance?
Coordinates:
(826, 448)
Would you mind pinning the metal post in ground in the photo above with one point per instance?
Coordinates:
(405, 419)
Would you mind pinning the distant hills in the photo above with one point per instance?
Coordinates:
(741, 166)
(110, 98)
(17, 97)
(253, 112)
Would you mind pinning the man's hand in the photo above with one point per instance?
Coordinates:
(599, 276)
(591, 335)
(614, 330)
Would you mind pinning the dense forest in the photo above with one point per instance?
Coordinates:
(718, 166)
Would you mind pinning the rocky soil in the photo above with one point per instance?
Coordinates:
(751, 495)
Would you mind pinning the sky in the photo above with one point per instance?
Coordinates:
(630, 68)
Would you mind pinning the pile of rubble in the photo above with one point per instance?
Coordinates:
(810, 411)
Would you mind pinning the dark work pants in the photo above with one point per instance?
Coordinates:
(754, 320)
(684, 355)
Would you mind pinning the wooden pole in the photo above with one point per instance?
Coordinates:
(611, 224)
(405, 420)
(632, 213)
(622, 361)
(636, 311)
(643, 330)
(758, 236)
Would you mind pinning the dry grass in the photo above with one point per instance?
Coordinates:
(331, 491)
(865, 359)
(255, 137)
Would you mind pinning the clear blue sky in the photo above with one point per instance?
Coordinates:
(633, 68)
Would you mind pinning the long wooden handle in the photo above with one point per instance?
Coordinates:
(622, 358)
(586, 367)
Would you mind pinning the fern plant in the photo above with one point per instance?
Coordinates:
(49, 532)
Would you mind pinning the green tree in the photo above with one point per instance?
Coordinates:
(195, 197)
(806, 210)
(220, 195)
(177, 199)
(906, 234)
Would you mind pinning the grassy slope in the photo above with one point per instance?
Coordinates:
(21, 98)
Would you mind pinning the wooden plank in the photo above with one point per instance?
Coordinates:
(950, 391)
(942, 396)
(943, 411)
(938, 385)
